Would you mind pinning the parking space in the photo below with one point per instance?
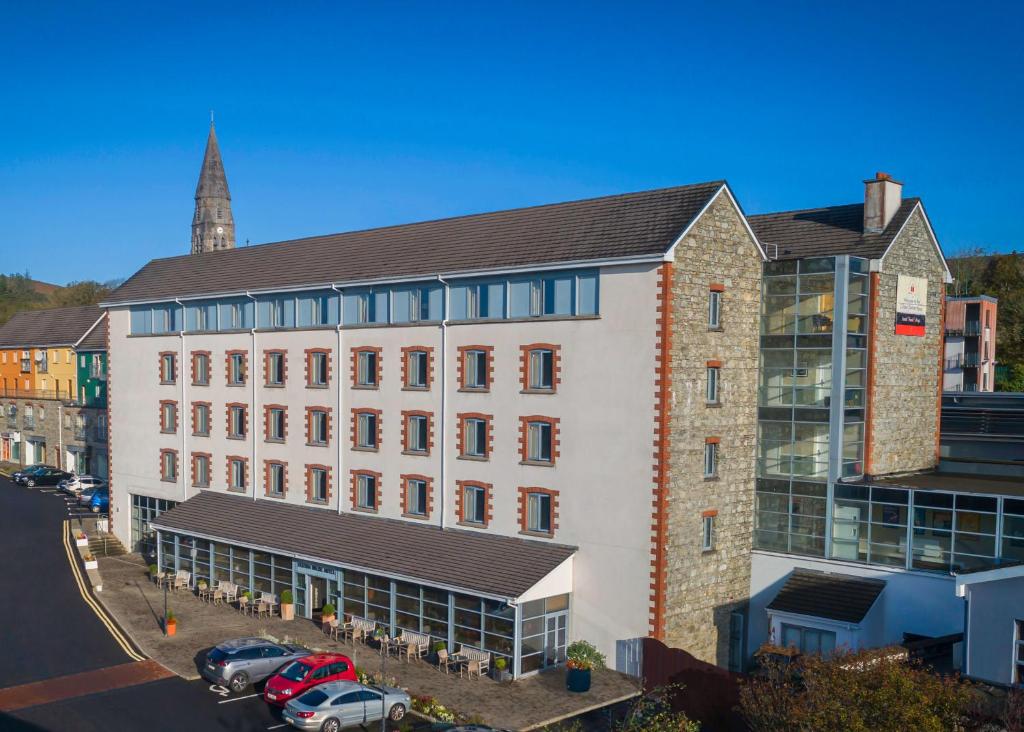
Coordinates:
(74, 507)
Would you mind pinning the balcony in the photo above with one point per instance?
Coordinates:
(970, 328)
(971, 359)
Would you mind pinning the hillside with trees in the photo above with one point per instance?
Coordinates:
(20, 292)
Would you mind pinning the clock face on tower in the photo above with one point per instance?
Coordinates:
(220, 229)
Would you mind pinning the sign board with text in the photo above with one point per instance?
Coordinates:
(911, 305)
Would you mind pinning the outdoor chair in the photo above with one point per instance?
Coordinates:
(478, 663)
(243, 603)
(331, 628)
(182, 580)
(445, 662)
(261, 608)
(416, 646)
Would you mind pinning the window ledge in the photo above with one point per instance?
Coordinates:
(538, 463)
(711, 478)
(715, 329)
(472, 524)
(359, 448)
(713, 405)
(475, 389)
(239, 489)
(168, 480)
(537, 391)
(168, 432)
(275, 440)
(168, 383)
(236, 437)
(204, 486)
(363, 509)
(232, 383)
(200, 383)
(274, 386)
(538, 534)
(415, 388)
(318, 444)
(417, 516)
(200, 434)
(317, 386)
(417, 453)
(275, 496)
(474, 458)
(366, 387)
(317, 501)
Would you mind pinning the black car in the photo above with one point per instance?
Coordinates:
(44, 476)
(17, 476)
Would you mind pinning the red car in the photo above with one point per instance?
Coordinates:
(305, 673)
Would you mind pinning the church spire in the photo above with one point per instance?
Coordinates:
(213, 226)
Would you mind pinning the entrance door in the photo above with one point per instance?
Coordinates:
(555, 638)
(316, 596)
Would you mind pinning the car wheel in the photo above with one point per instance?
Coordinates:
(95, 509)
(330, 725)
(30, 483)
(397, 712)
(239, 682)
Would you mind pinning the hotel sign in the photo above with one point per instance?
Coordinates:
(911, 305)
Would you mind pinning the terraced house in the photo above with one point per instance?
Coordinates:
(505, 430)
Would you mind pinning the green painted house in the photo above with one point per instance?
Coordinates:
(92, 378)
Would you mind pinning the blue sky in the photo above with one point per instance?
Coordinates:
(334, 117)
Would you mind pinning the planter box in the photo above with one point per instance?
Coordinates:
(82, 542)
(287, 611)
(92, 565)
(577, 680)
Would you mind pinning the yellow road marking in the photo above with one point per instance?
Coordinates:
(100, 613)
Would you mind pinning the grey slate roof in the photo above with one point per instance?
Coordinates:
(489, 564)
(842, 597)
(833, 230)
(627, 225)
(96, 339)
(50, 327)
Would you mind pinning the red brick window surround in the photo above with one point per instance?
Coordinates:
(275, 478)
(475, 439)
(200, 368)
(708, 519)
(538, 511)
(275, 367)
(417, 432)
(168, 416)
(540, 368)
(318, 484)
(365, 491)
(237, 473)
(538, 440)
(319, 367)
(275, 423)
(168, 364)
(713, 383)
(201, 469)
(711, 457)
(237, 420)
(716, 293)
(318, 426)
(236, 367)
(417, 496)
(475, 368)
(473, 503)
(169, 465)
(367, 429)
(366, 367)
(201, 419)
(417, 367)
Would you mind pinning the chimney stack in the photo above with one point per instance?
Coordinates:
(882, 199)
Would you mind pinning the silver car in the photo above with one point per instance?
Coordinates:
(238, 663)
(333, 706)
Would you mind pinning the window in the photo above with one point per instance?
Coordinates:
(367, 368)
(364, 308)
(168, 368)
(238, 421)
(475, 436)
(714, 370)
(707, 538)
(318, 482)
(539, 511)
(201, 419)
(475, 367)
(711, 457)
(539, 441)
(474, 504)
(275, 368)
(200, 470)
(417, 368)
(277, 476)
(318, 368)
(236, 368)
(200, 368)
(277, 424)
(808, 640)
(169, 465)
(168, 416)
(715, 307)
(417, 433)
(319, 429)
(419, 304)
(540, 367)
(416, 496)
(366, 488)
(548, 295)
(238, 471)
(367, 429)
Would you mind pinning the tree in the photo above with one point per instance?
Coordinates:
(87, 292)
(865, 691)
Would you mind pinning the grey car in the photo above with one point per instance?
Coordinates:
(338, 704)
(243, 661)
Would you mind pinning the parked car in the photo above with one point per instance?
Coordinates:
(100, 500)
(339, 704)
(18, 475)
(243, 661)
(44, 476)
(85, 497)
(298, 677)
(78, 483)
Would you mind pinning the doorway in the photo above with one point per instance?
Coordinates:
(555, 640)
(316, 594)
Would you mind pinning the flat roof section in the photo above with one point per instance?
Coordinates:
(956, 482)
(498, 566)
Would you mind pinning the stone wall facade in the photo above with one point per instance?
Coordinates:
(54, 429)
(906, 370)
(701, 588)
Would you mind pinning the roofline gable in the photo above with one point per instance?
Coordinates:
(670, 254)
(931, 235)
(91, 328)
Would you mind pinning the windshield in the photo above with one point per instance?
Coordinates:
(295, 671)
(313, 698)
(216, 655)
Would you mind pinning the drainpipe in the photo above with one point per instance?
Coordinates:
(184, 405)
(60, 431)
(442, 421)
(252, 379)
(339, 418)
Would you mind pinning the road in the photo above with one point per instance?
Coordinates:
(62, 667)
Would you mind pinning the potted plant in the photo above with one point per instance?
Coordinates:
(287, 605)
(501, 672)
(81, 539)
(90, 561)
(437, 648)
(153, 572)
(170, 623)
(327, 613)
(202, 585)
(582, 658)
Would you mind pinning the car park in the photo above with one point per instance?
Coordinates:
(44, 476)
(299, 676)
(78, 483)
(100, 501)
(334, 706)
(243, 661)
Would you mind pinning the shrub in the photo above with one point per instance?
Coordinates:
(583, 655)
(440, 646)
(328, 609)
(202, 584)
(287, 598)
(171, 618)
(247, 595)
(89, 557)
(153, 569)
(431, 707)
(501, 664)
